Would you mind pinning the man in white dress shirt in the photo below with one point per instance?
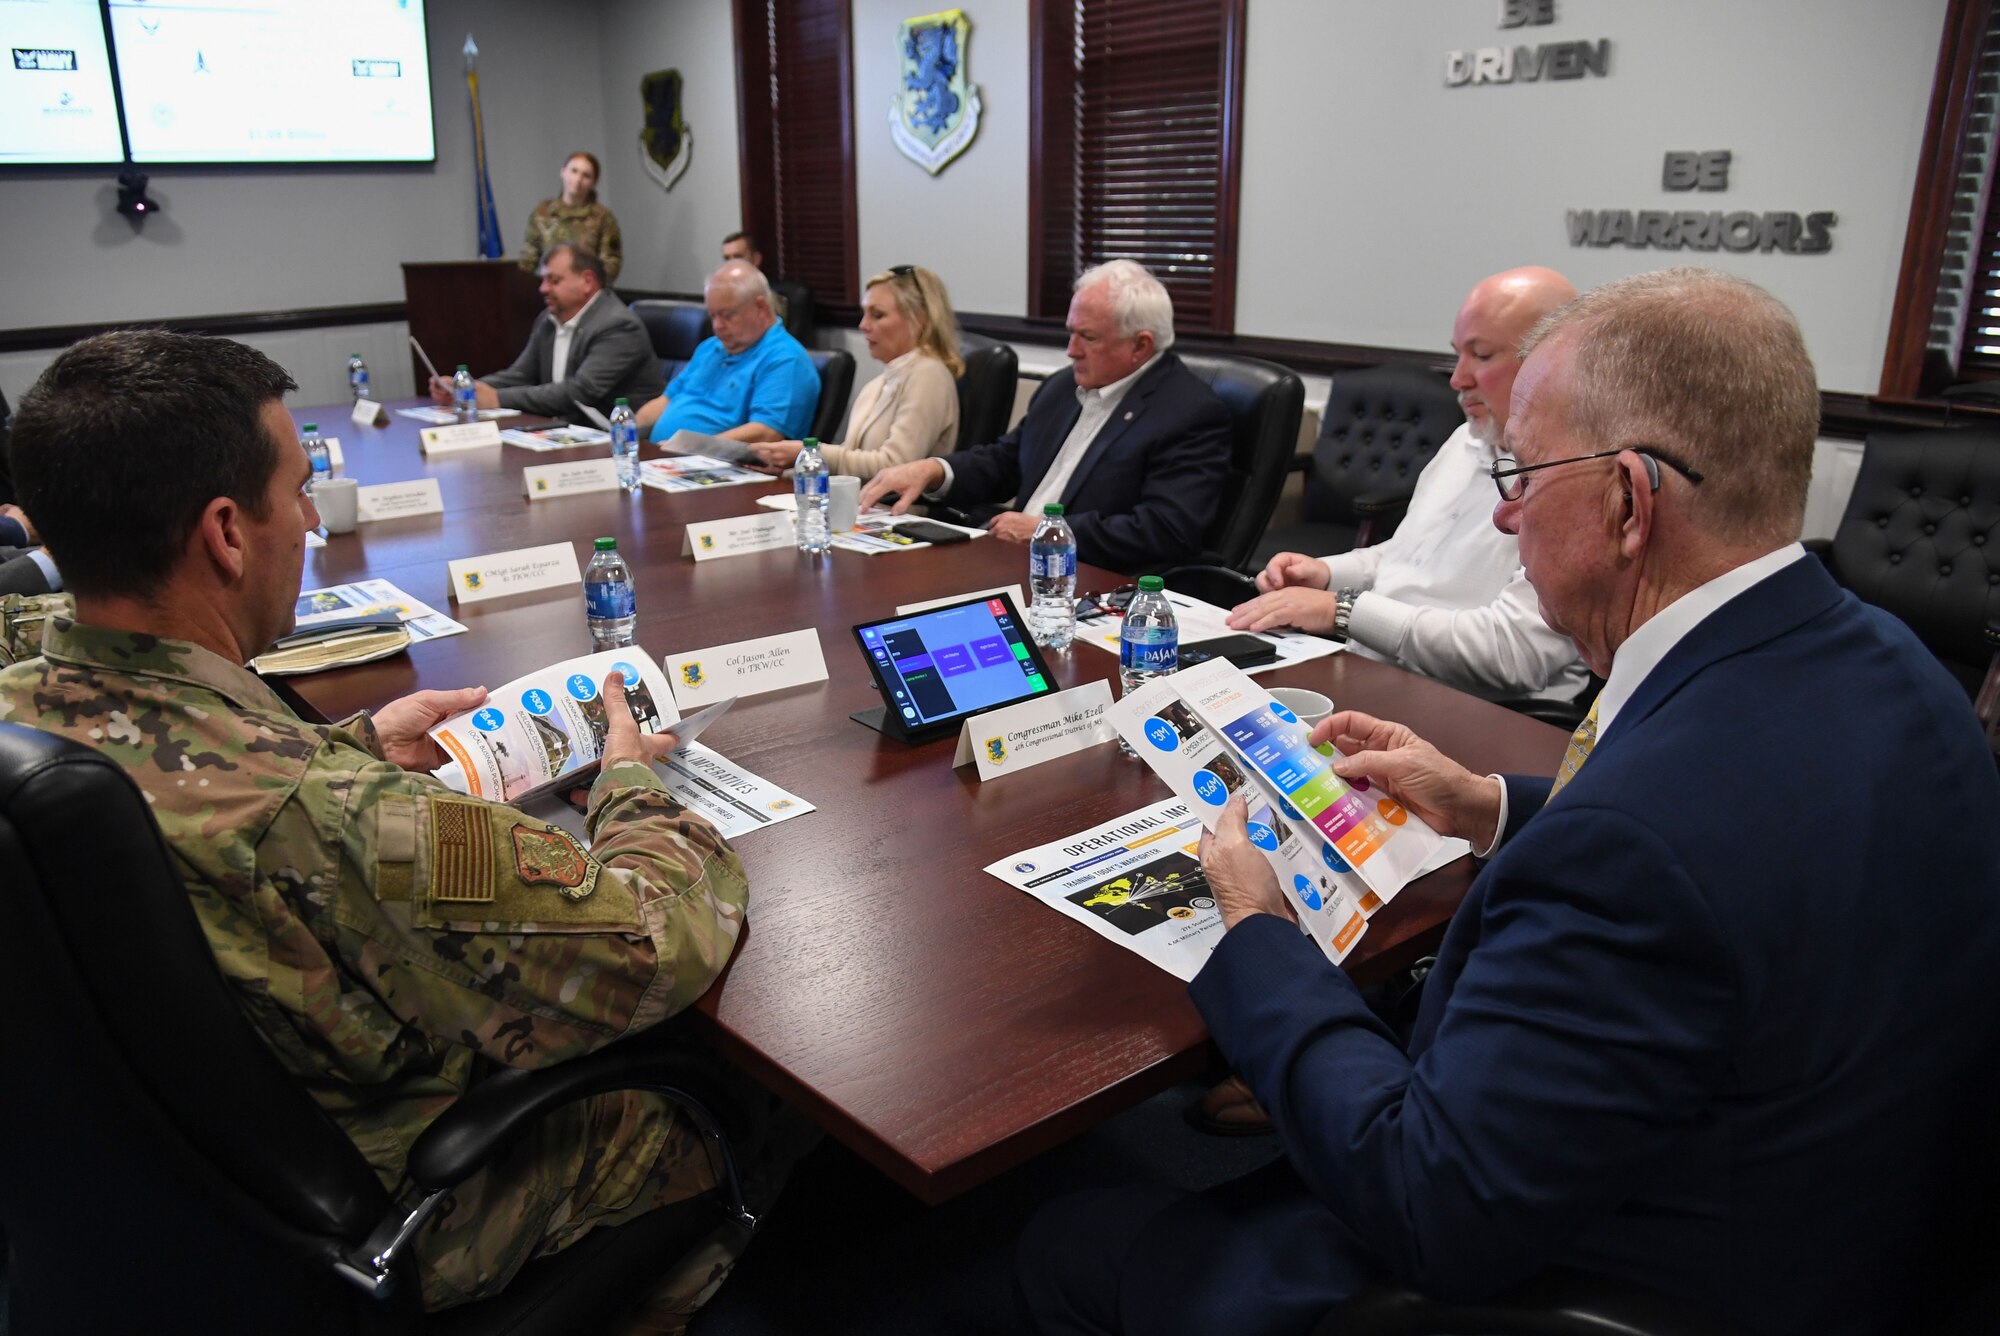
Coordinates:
(1133, 444)
(1444, 595)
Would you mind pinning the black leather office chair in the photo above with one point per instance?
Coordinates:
(797, 299)
(1222, 586)
(985, 390)
(159, 1171)
(1921, 538)
(1381, 426)
(676, 328)
(1265, 403)
(836, 383)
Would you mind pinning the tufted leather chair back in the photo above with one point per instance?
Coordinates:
(1265, 401)
(1381, 426)
(676, 328)
(1921, 538)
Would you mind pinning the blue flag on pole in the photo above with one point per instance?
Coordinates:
(490, 245)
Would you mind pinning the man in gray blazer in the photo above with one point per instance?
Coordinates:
(587, 348)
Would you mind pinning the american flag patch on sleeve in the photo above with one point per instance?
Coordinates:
(461, 852)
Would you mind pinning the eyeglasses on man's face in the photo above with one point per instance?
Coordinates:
(1509, 474)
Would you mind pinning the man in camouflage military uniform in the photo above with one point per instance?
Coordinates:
(390, 939)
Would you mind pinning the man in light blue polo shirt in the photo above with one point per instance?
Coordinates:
(751, 382)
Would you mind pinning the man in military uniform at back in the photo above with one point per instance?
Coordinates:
(390, 940)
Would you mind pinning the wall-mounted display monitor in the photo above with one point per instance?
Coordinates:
(274, 81)
(56, 100)
(214, 81)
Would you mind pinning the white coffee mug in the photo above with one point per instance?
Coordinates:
(843, 503)
(336, 500)
(1309, 706)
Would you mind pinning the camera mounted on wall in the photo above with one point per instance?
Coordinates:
(133, 201)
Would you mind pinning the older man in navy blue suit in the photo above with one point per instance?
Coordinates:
(1718, 1017)
(1133, 444)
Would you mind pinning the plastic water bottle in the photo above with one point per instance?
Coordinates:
(464, 395)
(609, 602)
(1052, 580)
(357, 378)
(1149, 644)
(316, 451)
(810, 499)
(625, 444)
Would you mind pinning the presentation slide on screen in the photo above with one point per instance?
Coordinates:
(274, 80)
(56, 103)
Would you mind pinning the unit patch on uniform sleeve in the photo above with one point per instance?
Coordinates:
(461, 852)
(545, 856)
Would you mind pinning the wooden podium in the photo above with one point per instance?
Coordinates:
(471, 311)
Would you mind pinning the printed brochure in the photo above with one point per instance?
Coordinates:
(693, 473)
(1135, 880)
(363, 598)
(1340, 851)
(1205, 772)
(535, 732)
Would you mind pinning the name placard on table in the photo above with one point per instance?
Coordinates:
(745, 668)
(522, 571)
(368, 413)
(459, 436)
(1015, 737)
(543, 481)
(736, 536)
(397, 500)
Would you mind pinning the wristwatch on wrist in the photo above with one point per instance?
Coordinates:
(1343, 609)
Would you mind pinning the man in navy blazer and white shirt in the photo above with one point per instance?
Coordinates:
(1719, 1016)
(1133, 444)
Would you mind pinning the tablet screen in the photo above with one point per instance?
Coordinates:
(945, 663)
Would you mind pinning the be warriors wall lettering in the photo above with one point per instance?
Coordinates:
(1741, 231)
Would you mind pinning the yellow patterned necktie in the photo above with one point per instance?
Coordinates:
(1580, 743)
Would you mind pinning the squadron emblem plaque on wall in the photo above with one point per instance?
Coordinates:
(935, 111)
(666, 143)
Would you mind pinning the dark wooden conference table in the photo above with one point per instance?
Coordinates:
(942, 1024)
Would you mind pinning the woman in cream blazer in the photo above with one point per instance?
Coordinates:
(911, 409)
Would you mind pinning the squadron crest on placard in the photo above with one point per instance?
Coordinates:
(935, 111)
(666, 142)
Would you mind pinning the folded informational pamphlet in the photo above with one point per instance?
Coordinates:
(728, 449)
(554, 438)
(537, 733)
(1205, 772)
(1339, 851)
(692, 473)
(1385, 843)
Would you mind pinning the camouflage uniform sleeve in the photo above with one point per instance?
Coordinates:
(482, 925)
(610, 247)
(531, 249)
(22, 617)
